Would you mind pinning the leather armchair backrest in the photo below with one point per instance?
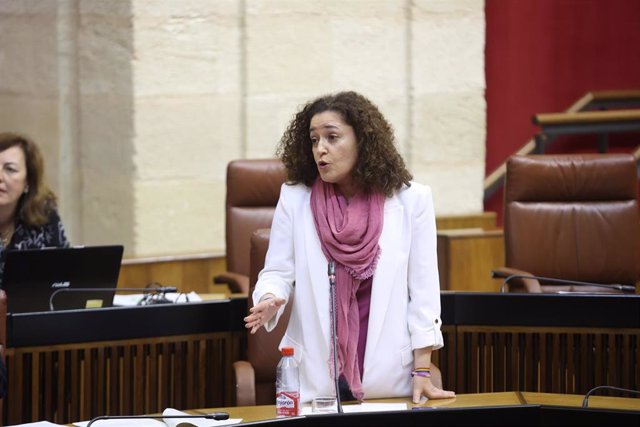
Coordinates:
(573, 217)
(262, 347)
(253, 189)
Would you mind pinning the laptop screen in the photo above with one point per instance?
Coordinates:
(32, 275)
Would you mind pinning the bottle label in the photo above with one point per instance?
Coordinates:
(287, 404)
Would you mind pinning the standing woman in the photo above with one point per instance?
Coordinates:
(349, 199)
(28, 210)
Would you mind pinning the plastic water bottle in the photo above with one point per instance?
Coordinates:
(287, 385)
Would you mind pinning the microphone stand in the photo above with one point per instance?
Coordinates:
(332, 289)
(585, 401)
(218, 416)
(623, 288)
(159, 290)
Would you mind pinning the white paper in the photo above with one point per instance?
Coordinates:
(374, 407)
(143, 422)
(37, 424)
(132, 300)
(362, 407)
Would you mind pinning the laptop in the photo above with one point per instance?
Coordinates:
(31, 276)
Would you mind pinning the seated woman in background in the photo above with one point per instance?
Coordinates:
(28, 208)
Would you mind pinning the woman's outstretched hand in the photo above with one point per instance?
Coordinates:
(262, 312)
(422, 386)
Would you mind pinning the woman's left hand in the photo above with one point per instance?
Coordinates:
(422, 386)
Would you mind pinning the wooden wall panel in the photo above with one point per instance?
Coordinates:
(466, 258)
(186, 272)
(483, 220)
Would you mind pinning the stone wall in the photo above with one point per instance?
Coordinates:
(139, 105)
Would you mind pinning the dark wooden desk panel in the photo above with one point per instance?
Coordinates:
(539, 342)
(66, 366)
(558, 310)
(79, 326)
(76, 364)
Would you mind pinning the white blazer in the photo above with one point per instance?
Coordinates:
(405, 296)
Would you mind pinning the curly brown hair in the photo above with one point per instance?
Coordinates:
(35, 206)
(379, 167)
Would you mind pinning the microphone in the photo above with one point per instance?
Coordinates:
(585, 402)
(155, 293)
(616, 286)
(149, 292)
(332, 288)
(218, 416)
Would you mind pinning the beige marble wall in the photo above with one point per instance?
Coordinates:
(140, 104)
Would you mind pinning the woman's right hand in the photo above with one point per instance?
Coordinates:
(262, 312)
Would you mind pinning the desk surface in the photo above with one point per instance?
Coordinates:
(547, 343)
(250, 414)
(265, 412)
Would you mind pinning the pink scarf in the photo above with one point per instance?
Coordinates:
(349, 234)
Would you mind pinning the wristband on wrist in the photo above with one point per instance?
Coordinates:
(421, 372)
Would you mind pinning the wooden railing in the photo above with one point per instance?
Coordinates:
(602, 123)
(582, 117)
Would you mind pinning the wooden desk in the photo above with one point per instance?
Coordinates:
(265, 412)
(70, 365)
(493, 403)
(74, 365)
(575, 400)
(484, 400)
(539, 342)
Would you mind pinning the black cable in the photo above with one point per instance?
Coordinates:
(332, 290)
(616, 286)
(585, 402)
(215, 416)
(155, 293)
(186, 297)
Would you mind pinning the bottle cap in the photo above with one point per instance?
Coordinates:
(287, 351)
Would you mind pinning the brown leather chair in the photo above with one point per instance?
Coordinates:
(571, 217)
(255, 378)
(253, 189)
